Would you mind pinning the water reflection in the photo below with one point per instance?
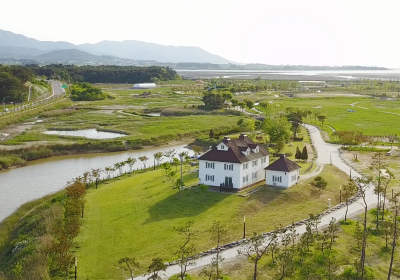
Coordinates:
(45, 176)
(88, 133)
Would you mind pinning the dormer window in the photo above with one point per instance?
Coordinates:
(222, 146)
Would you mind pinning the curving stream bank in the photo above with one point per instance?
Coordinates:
(45, 176)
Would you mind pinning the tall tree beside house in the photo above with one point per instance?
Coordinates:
(298, 154)
(304, 154)
(296, 118)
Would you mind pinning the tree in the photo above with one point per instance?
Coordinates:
(278, 129)
(170, 154)
(157, 157)
(255, 249)
(234, 102)
(131, 162)
(179, 185)
(395, 211)
(218, 235)
(213, 100)
(156, 266)
(296, 118)
(321, 118)
(249, 103)
(211, 134)
(348, 191)
(131, 264)
(304, 154)
(279, 146)
(247, 124)
(196, 149)
(319, 183)
(187, 251)
(204, 188)
(298, 154)
(143, 159)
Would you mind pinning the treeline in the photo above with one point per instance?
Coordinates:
(105, 73)
(12, 82)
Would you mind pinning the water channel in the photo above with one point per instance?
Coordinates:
(45, 176)
(88, 133)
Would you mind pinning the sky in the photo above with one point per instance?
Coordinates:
(306, 32)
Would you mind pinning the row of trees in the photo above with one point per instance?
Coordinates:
(12, 83)
(104, 73)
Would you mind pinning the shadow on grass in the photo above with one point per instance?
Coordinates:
(189, 203)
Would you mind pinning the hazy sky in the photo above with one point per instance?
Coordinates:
(320, 32)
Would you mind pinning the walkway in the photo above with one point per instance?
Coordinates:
(327, 153)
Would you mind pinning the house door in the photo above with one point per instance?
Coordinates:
(228, 181)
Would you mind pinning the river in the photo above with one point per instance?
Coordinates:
(45, 176)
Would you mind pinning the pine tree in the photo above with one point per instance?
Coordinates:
(298, 154)
(304, 154)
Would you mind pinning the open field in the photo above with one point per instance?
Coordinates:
(135, 216)
(372, 116)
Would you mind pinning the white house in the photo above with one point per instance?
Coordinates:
(144, 86)
(282, 173)
(233, 163)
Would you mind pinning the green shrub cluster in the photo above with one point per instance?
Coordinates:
(86, 92)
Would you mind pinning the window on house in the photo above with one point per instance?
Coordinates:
(223, 147)
(245, 178)
(255, 162)
(228, 166)
(263, 160)
(245, 166)
(210, 165)
(254, 175)
(210, 178)
(277, 179)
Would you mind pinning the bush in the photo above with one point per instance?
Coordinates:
(176, 277)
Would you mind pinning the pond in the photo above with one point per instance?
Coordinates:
(45, 176)
(88, 133)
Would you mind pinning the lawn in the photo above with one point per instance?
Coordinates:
(135, 216)
(372, 116)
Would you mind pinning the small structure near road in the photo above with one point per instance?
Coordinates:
(144, 86)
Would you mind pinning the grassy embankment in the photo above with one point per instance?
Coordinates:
(135, 217)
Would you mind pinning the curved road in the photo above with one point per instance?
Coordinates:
(327, 153)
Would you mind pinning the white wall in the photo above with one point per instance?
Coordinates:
(237, 173)
(286, 178)
(219, 173)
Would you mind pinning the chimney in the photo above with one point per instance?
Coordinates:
(242, 135)
(226, 139)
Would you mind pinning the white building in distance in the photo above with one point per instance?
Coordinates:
(144, 86)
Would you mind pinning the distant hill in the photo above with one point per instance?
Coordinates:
(19, 46)
(74, 56)
(10, 39)
(150, 51)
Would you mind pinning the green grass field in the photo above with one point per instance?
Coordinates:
(372, 116)
(135, 216)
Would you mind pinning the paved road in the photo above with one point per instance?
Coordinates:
(57, 91)
(57, 88)
(327, 153)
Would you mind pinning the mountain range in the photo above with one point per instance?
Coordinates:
(16, 47)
